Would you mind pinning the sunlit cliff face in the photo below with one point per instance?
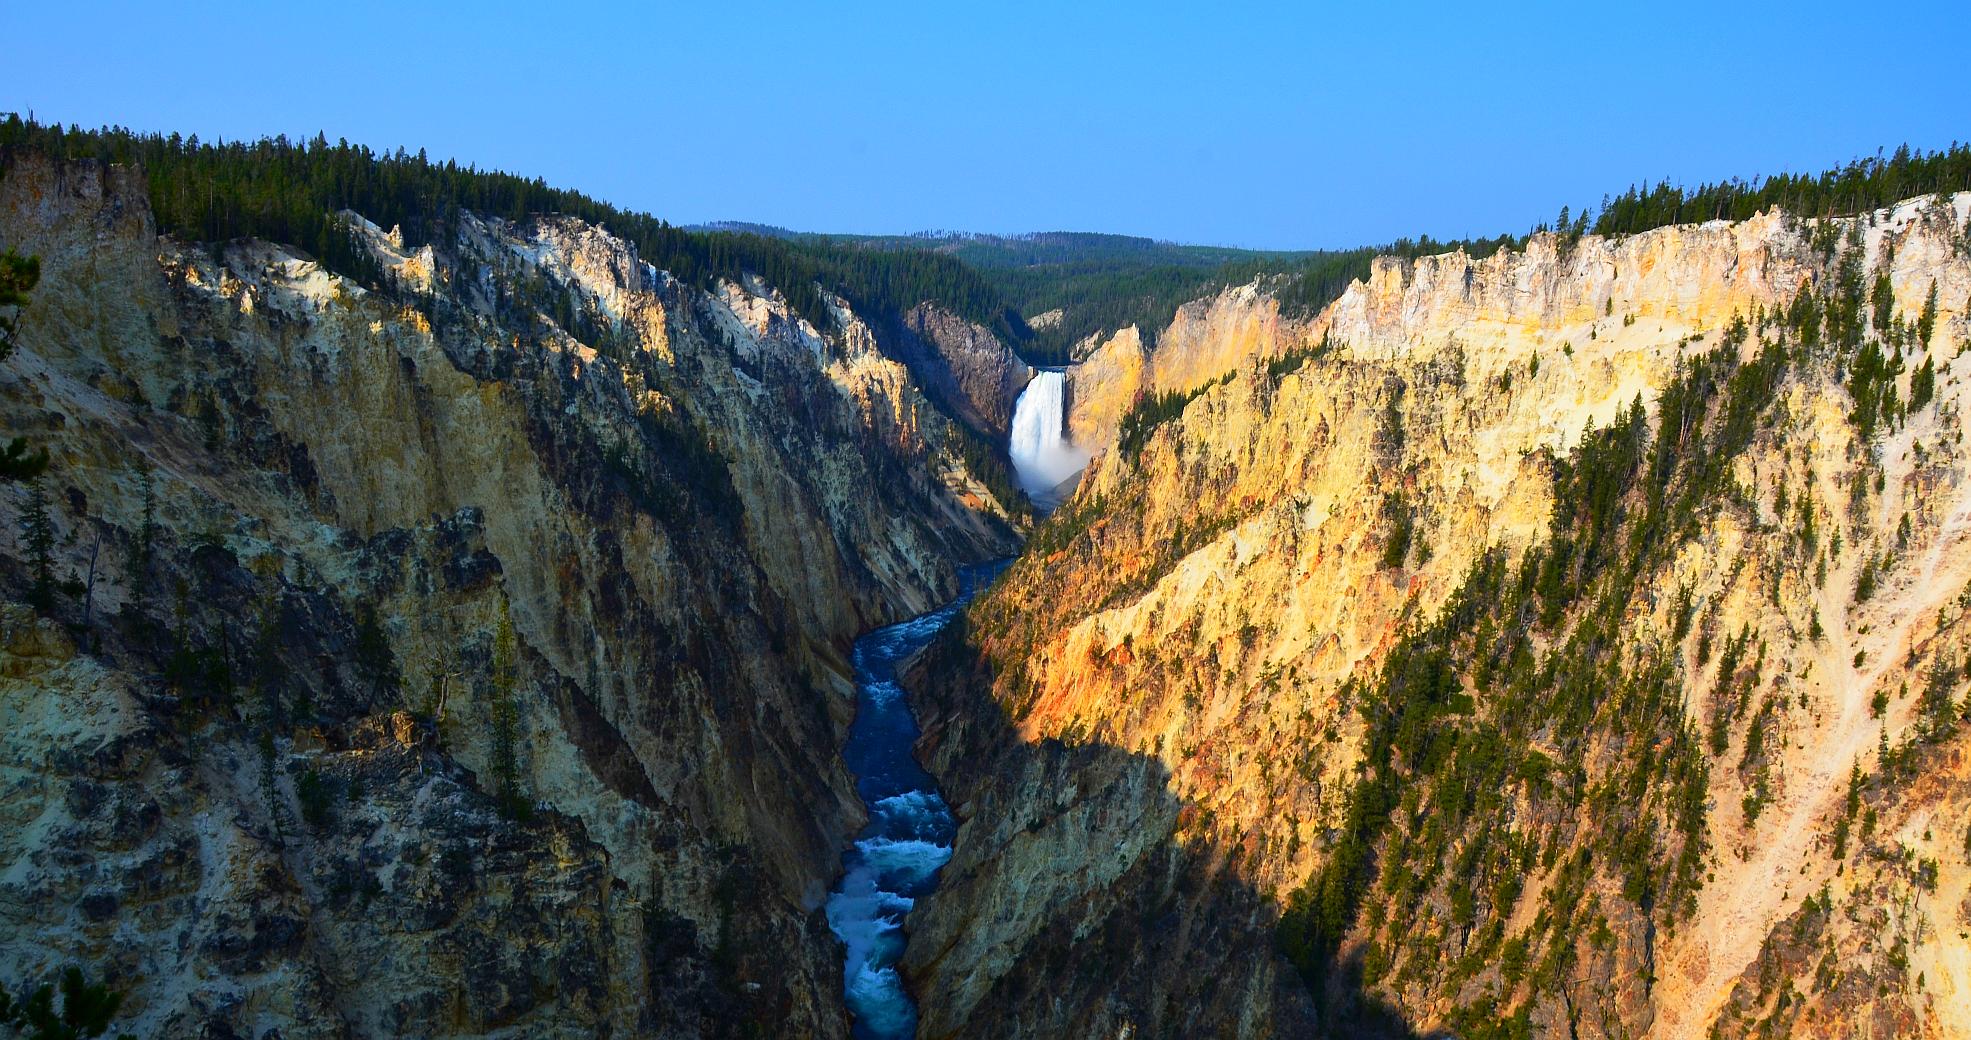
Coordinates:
(1221, 604)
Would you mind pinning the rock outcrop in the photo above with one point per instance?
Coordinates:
(964, 367)
(1205, 339)
(269, 764)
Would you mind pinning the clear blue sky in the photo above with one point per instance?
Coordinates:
(1257, 124)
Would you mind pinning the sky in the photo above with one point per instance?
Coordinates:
(1250, 124)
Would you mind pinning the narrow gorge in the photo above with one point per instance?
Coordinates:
(895, 861)
(441, 605)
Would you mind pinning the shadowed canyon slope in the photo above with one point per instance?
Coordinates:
(1563, 643)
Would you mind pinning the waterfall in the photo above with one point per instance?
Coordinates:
(1042, 455)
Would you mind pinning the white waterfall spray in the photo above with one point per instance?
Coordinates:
(1043, 457)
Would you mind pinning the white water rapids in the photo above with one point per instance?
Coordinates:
(895, 859)
(1043, 457)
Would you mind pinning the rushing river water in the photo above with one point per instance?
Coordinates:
(895, 860)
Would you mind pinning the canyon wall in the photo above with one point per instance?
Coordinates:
(272, 760)
(975, 375)
(1205, 339)
(1567, 642)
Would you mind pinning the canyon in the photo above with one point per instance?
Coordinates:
(503, 635)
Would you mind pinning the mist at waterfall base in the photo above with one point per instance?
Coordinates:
(895, 860)
(1043, 458)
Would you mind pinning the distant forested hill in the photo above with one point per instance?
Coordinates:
(290, 191)
(1101, 283)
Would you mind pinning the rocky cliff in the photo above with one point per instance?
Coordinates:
(1564, 643)
(964, 366)
(272, 760)
(1205, 339)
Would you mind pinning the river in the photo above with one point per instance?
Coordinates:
(895, 860)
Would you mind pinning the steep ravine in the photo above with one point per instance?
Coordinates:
(1566, 643)
(1165, 723)
(278, 767)
(895, 860)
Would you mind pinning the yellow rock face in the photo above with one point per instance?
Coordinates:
(1214, 607)
(1206, 339)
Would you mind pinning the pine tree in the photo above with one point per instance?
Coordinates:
(1923, 385)
(1883, 297)
(86, 1011)
(38, 538)
(506, 717)
(144, 546)
(374, 661)
(18, 276)
(1938, 708)
(1926, 322)
(19, 462)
